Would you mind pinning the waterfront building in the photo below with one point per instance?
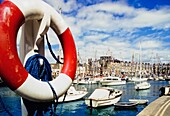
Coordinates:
(107, 65)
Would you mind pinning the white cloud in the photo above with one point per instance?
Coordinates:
(117, 27)
(157, 19)
(151, 44)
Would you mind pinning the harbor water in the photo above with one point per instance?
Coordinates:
(10, 102)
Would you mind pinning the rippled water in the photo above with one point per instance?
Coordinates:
(10, 102)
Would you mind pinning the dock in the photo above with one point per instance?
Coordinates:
(159, 107)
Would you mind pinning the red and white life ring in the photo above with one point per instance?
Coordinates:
(13, 13)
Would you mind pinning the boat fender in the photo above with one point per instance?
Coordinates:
(13, 14)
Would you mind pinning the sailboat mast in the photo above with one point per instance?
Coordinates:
(140, 60)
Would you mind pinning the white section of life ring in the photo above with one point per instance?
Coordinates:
(59, 84)
(35, 10)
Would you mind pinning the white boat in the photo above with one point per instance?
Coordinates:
(72, 95)
(138, 79)
(103, 96)
(85, 81)
(161, 78)
(139, 101)
(150, 78)
(142, 86)
(112, 80)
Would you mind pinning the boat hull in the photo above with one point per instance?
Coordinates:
(139, 101)
(139, 79)
(125, 105)
(113, 82)
(101, 103)
(86, 82)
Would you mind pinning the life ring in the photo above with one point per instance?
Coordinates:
(13, 13)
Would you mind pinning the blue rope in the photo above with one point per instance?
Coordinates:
(36, 70)
(51, 51)
(56, 98)
(58, 61)
(43, 73)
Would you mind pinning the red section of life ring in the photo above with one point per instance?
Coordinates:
(11, 68)
(69, 50)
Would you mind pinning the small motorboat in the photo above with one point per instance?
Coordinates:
(73, 94)
(139, 101)
(127, 105)
(103, 96)
(142, 86)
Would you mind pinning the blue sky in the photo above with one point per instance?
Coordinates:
(116, 28)
(107, 27)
